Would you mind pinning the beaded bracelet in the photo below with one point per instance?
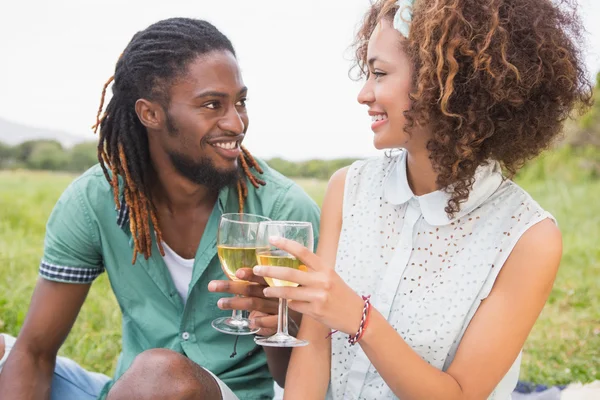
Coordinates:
(364, 321)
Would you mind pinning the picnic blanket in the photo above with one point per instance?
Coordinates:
(576, 391)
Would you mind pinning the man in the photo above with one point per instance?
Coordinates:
(171, 163)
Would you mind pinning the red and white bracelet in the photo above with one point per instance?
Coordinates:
(364, 321)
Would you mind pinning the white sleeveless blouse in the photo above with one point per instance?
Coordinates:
(425, 273)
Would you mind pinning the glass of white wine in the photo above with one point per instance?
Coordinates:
(266, 254)
(236, 247)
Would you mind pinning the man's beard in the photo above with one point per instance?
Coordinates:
(203, 172)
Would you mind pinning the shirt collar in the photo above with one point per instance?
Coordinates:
(397, 191)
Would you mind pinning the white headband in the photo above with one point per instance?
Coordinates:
(403, 17)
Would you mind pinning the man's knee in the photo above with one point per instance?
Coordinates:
(161, 362)
(165, 374)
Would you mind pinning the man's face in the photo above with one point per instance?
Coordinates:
(206, 120)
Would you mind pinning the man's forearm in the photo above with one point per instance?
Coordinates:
(278, 358)
(26, 377)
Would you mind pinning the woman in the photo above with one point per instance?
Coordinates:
(458, 261)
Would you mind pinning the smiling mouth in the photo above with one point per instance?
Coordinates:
(227, 145)
(379, 117)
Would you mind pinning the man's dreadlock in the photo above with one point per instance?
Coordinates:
(153, 58)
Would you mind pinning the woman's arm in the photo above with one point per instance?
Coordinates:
(309, 368)
(494, 337)
(487, 350)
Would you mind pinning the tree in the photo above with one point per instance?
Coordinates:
(83, 156)
(316, 169)
(284, 167)
(25, 149)
(7, 155)
(47, 155)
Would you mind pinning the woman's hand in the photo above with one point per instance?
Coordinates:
(263, 311)
(322, 294)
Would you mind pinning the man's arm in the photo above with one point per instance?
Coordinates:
(278, 358)
(30, 365)
(71, 261)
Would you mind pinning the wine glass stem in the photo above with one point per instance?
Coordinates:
(236, 315)
(282, 321)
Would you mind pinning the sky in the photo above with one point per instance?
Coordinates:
(294, 56)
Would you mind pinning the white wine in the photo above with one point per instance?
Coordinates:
(234, 258)
(279, 258)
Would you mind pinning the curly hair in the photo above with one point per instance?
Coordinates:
(494, 80)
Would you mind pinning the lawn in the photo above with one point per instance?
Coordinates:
(563, 347)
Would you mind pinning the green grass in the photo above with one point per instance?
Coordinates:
(26, 200)
(565, 343)
(314, 187)
(563, 347)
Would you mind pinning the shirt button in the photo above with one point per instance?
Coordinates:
(185, 336)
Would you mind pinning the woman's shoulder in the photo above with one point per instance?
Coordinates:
(513, 204)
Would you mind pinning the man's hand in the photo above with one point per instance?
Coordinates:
(266, 322)
(263, 311)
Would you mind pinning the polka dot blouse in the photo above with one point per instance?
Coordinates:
(426, 273)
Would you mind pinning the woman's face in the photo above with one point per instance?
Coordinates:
(387, 87)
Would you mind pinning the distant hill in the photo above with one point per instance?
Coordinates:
(13, 133)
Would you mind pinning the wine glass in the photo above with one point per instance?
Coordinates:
(236, 247)
(266, 254)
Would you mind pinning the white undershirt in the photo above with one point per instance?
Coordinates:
(180, 269)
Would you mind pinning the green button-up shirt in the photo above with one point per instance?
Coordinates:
(86, 236)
